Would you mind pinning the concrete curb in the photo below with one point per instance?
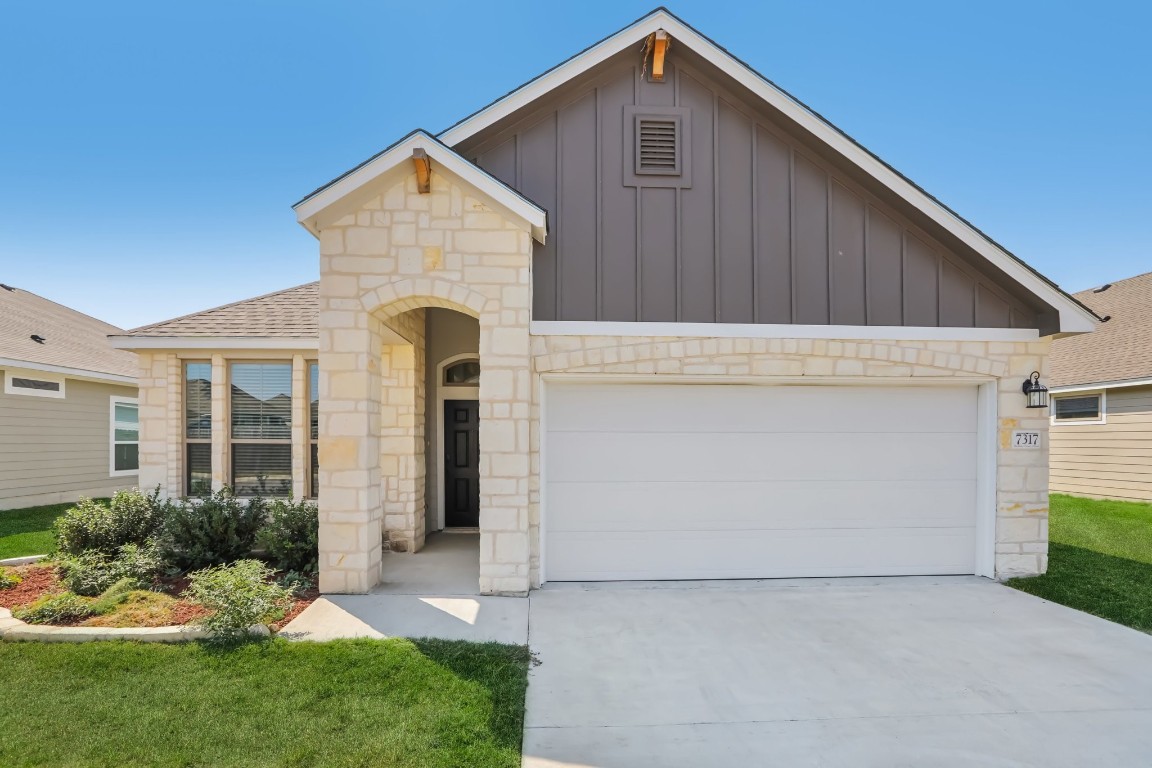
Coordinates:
(26, 560)
(14, 629)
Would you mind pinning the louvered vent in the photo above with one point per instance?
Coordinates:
(657, 145)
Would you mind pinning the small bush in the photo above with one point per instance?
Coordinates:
(93, 572)
(129, 518)
(9, 578)
(239, 595)
(139, 609)
(55, 609)
(114, 596)
(291, 535)
(217, 530)
(296, 582)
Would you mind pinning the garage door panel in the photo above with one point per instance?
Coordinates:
(705, 481)
(747, 408)
(759, 554)
(589, 456)
(695, 506)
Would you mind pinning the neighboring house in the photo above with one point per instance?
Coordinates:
(1102, 397)
(645, 317)
(68, 412)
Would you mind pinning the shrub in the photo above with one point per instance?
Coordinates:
(54, 609)
(9, 578)
(130, 518)
(239, 595)
(93, 572)
(114, 596)
(139, 609)
(219, 529)
(296, 582)
(291, 535)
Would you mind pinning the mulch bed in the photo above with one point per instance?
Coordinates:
(40, 580)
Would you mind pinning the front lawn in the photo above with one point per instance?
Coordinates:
(343, 703)
(28, 531)
(1099, 559)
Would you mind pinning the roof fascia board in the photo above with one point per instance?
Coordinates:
(75, 373)
(213, 342)
(1118, 384)
(526, 213)
(1073, 317)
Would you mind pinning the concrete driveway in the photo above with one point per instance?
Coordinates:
(854, 672)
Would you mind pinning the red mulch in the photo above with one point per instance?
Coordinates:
(40, 580)
(303, 599)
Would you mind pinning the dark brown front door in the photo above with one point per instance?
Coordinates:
(461, 463)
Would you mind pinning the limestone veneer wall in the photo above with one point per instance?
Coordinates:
(398, 253)
(1022, 475)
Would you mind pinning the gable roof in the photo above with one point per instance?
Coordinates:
(1120, 351)
(282, 319)
(393, 162)
(73, 341)
(1073, 316)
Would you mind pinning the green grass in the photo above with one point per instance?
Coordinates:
(1099, 559)
(358, 703)
(28, 531)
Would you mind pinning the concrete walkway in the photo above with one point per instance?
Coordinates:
(854, 672)
(433, 593)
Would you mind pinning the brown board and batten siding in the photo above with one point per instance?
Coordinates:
(1113, 459)
(54, 450)
(768, 231)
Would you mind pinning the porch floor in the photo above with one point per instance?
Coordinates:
(432, 593)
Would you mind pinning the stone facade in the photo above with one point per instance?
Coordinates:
(380, 266)
(1022, 476)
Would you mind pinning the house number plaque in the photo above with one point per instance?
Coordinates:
(1025, 439)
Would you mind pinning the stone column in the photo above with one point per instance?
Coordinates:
(349, 447)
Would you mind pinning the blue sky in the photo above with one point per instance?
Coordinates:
(150, 152)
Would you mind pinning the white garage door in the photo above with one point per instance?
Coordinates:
(691, 481)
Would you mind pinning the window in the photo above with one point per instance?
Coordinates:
(1079, 409)
(124, 445)
(314, 427)
(261, 398)
(465, 373)
(198, 429)
(33, 385)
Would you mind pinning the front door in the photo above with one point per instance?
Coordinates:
(461, 463)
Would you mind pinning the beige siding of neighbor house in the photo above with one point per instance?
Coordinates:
(1109, 460)
(55, 450)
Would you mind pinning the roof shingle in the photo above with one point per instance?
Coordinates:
(71, 339)
(292, 313)
(1120, 349)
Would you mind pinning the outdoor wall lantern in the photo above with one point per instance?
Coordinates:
(1036, 392)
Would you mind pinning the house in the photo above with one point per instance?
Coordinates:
(1102, 397)
(645, 317)
(68, 413)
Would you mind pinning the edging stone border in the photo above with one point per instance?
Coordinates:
(26, 560)
(14, 629)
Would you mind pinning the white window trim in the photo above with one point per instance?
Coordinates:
(113, 400)
(20, 373)
(1101, 419)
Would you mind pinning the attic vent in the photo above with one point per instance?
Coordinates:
(37, 338)
(7, 287)
(1102, 288)
(658, 145)
(46, 386)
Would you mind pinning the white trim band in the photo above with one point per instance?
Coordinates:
(1102, 385)
(767, 331)
(212, 342)
(77, 373)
